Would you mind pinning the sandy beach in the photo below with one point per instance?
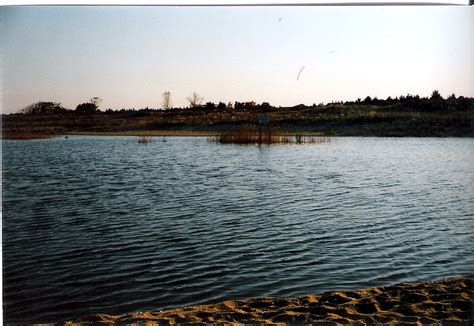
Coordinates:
(446, 301)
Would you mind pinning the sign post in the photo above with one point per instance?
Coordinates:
(263, 120)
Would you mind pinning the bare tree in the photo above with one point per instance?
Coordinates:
(195, 100)
(166, 104)
(96, 101)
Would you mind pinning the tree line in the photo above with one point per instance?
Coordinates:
(409, 102)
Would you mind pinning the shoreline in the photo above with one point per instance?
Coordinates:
(448, 300)
(159, 133)
(197, 133)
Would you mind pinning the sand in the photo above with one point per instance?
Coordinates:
(444, 302)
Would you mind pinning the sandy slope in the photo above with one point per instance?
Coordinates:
(448, 302)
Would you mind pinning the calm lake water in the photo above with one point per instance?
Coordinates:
(104, 224)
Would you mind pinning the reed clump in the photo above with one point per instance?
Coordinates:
(256, 135)
(144, 140)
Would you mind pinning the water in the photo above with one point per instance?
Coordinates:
(104, 224)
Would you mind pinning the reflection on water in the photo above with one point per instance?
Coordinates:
(103, 224)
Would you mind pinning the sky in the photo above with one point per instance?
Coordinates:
(129, 56)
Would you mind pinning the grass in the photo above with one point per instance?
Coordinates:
(264, 135)
(26, 134)
(328, 120)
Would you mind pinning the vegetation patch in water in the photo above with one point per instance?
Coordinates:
(260, 135)
(144, 140)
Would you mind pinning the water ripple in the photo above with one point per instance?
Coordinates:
(99, 224)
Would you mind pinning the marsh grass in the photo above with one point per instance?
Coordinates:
(144, 140)
(264, 135)
(26, 135)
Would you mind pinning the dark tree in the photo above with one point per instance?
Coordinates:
(86, 108)
(436, 95)
(266, 106)
(367, 100)
(248, 106)
(221, 106)
(90, 107)
(464, 103)
(389, 100)
(210, 106)
(238, 106)
(436, 101)
(44, 108)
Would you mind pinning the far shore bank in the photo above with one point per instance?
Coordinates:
(180, 133)
(442, 302)
(400, 118)
(209, 133)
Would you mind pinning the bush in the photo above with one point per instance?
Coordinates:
(86, 108)
(44, 108)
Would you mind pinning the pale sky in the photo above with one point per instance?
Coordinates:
(129, 56)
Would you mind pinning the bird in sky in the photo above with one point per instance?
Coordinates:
(299, 73)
